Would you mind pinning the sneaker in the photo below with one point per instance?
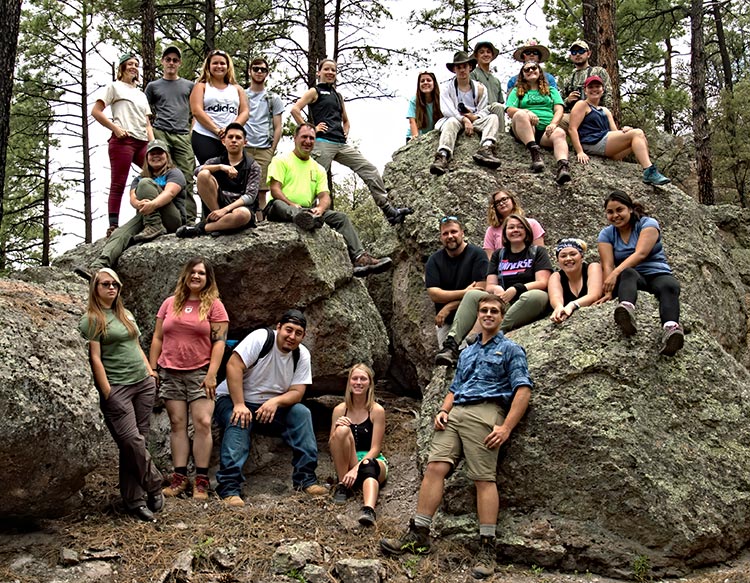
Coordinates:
(234, 501)
(485, 565)
(672, 339)
(485, 156)
(448, 355)
(537, 163)
(563, 172)
(366, 264)
(367, 516)
(416, 540)
(625, 318)
(190, 231)
(155, 501)
(651, 175)
(200, 489)
(439, 165)
(315, 490)
(341, 494)
(305, 220)
(177, 485)
(395, 215)
(149, 233)
(142, 513)
(82, 272)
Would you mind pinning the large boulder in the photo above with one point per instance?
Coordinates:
(52, 432)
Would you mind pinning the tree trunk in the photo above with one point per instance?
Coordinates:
(9, 25)
(148, 41)
(701, 132)
(46, 239)
(467, 8)
(591, 28)
(316, 38)
(607, 41)
(726, 64)
(668, 114)
(210, 25)
(336, 30)
(88, 215)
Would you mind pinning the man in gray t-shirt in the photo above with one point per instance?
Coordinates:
(169, 98)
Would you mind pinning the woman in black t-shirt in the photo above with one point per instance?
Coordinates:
(576, 284)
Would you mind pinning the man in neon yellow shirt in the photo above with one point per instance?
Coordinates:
(299, 188)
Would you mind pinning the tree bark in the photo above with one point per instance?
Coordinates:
(607, 58)
(9, 25)
(148, 41)
(591, 28)
(668, 114)
(210, 25)
(88, 215)
(701, 131)
(316, 38)
(726, 64)
(46, 238)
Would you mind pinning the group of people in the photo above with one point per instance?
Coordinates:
(540, 117)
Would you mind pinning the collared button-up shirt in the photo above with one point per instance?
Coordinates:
(490, 372)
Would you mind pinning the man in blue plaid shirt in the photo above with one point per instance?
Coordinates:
(488, 397)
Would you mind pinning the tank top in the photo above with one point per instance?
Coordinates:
(567, 294)
(327, 108)
(221, 105)
(594, 126)
(362, 433)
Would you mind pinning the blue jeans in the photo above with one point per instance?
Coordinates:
(293, 424)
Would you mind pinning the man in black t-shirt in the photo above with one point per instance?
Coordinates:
(451, 272)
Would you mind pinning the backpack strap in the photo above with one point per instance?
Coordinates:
(268, 345)
(269, 102)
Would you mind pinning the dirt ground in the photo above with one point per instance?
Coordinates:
(118, 549)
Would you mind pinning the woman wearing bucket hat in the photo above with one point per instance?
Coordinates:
(531, 52)
(130, 127)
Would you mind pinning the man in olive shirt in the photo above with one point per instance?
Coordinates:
(485, 52)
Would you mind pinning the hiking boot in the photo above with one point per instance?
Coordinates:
(110, 230)
(439, 165)
(537, 163)
(625, 318)
(367, 516)
(672, 339)
(651, 175)
(155, 501)
(305, 220)
(149, 233)
(396, 215)
(448, 355)
(485, 156)
(563, 172)
(485, 565)
(315, 490)
(341, 494)
(190, 231)
(82, 272)
(142, 513)
(177, 485)
(366, 264)
(416, 540)
(234, 501)
(200, 489)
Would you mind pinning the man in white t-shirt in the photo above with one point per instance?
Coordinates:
(263, 392)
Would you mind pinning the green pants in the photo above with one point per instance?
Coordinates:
(122, 237)
(529, 307)
(182, 155)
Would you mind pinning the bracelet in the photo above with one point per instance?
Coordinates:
(520, 288)
(577, 305)
(443, 411)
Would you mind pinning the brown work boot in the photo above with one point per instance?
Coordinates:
(315, 490)
(485, 156)
(149, 233)
(563, 172)
(416, 540)
(200, 489)
(485, 564)
(439, 165)
(366, 264)
(537, 163)
(177, 485)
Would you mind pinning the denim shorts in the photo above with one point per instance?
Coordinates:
(597, 149)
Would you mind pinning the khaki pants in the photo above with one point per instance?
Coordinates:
(449, 131)
(181, 151)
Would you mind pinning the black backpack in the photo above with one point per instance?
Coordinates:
(265, 350)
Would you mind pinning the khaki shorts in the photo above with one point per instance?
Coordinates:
(468, 425)
(182, 385)
(263, 157)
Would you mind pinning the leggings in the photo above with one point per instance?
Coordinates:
(122, 153)
(662, 285)
(206, 147)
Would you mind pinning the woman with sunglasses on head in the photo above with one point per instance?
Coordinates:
(188, 345)
(127, 386)
(593, 131)
(504, 203)
(424, 108)
(576, 284)
(535, 110)
(130, 127)
(216, 101)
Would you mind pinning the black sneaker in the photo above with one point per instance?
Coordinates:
(448, 355)
(416, 540)
(190, 231)
(341, 494)
(305, 220)
(396, 216)
(625, 318)
(367, 516)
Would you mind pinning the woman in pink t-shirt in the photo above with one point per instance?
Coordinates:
(188, 344)
(504, 203)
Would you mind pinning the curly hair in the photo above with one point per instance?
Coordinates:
(522, 86)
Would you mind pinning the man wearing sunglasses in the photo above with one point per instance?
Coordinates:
(489, 395)
(264, 125)
(531, 52)
(573, 87)
(169, 98)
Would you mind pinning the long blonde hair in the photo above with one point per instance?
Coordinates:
(209, 293)
(370, 398)
(205, 75)
(95, 310)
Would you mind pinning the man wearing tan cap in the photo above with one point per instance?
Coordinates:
(572, 89)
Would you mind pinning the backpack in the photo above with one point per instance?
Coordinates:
(265, 350)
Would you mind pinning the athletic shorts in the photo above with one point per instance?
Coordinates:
(597, 149)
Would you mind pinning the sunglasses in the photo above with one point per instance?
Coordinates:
(530, 53)
(530, 68)
(578, 51)
(489, 311)
(260, 70)
(108, 284)
(172, 59)
(449, 218)
(217, 52)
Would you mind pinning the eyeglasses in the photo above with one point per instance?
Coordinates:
(578, 51)
(493, 311)
(260, 70)
(109, 284)
(217, 52)
(172, 59)
(500, 201)
(531, 52)
(531, 68)
(449, 219)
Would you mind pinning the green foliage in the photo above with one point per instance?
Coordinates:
(296, 575)
(731, 124)
(354, 199)
(642, 569)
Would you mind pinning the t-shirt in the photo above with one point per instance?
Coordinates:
(520, 267)
(176, 176)
(535, 102)
(186, 339)
(121, 354)
(221, 105)
(301, 180)
(130, 108)
(454, 273)
(655, 262)
(259, 126)
(412, 113)
(273, 374)
(493, 237)
(514, 79)
(170, 102)
(492, 83)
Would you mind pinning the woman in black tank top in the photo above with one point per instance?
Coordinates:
(575, 284)
(356, 441)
